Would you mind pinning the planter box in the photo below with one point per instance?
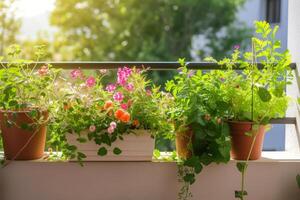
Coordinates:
(134, 148)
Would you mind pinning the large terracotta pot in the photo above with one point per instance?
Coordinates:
(241, 143)
(20, 143)
(137, 147)
(183, 143)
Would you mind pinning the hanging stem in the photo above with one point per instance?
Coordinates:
(252, 118)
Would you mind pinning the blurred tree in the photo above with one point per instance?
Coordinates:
(143, 30)
(9, 24)
(42, 39)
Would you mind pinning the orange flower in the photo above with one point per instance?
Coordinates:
(122, 115)
(136, 123)
(125, 117)
(108, 104)
(119, 113)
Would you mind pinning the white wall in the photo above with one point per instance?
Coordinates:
(143, 181)
(256, 10)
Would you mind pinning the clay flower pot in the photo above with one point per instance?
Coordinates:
(183, 143)
(22, 141)
(241, 143)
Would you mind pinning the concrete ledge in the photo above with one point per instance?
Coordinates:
(142, 181)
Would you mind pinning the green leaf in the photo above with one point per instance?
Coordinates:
(198, 168)
(241, 166)
(189, 178)
(249, 133)
(156, 154)
(102, 151)
(239, 194)
(117, 151)
(71, 147)
(13, 103)
(81, 155)
(264, 94)
(298, 180)
(81, 139)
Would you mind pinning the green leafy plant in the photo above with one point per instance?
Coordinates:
(194, 108)
(25, 86)
(255, 94)
(103, 115)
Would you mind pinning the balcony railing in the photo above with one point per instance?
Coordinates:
(94, 65)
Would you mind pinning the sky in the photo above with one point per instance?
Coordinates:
(31, 8)
(35, 17)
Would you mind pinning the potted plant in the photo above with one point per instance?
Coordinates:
(202, 137)
(253, 95)
(100, 122)
(25, 102)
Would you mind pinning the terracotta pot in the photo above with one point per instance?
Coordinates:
(183, 143)
(241, 143)
(16, 138)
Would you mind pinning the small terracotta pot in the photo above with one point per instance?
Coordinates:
(241, 143)
(183, 143)
(15, 137)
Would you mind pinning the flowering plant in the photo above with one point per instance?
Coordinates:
(103, 114)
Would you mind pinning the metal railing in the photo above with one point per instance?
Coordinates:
(91, 65)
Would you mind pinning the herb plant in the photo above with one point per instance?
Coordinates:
(194, 107)
(255, 94)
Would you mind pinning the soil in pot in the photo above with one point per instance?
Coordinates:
(241, 143)
(184, 143)
(21, 139)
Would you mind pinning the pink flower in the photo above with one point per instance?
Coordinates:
(124, 106)
(123, 74)
(76, 73)
(92, 128)
(110, 130)
(113, 125)
(43, 70)
(111, 87)
(130, 87)
(118, 96)
(236, 47)
(90, 82)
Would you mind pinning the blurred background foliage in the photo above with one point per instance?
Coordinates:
(132, 30)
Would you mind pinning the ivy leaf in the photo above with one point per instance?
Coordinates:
(239, 194)
(102, 151)
(189, 178)
(117, 151)
(81, 155)
(241, 166)
(264, 94)
(198, 168)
